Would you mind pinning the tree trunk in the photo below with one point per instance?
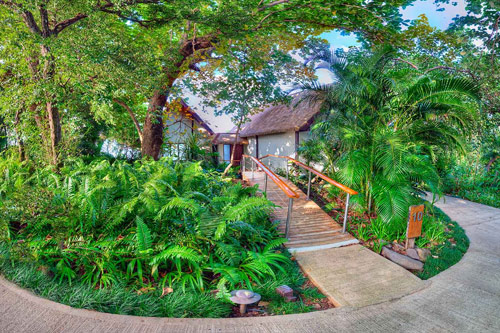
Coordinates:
(490, 163)
(20, 142)
(152, 131)
(55, 131)
(52, 111)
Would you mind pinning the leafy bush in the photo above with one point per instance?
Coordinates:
(383, 126)
(464, 180)
(145, 225)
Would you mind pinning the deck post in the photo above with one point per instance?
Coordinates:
(286, 169)
(242, 166)
(309, 186)
(288, 217)
(253, 168)
(345, 214)
(265, 185)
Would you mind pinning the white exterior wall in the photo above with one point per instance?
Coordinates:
(282, 144)
(178, 130)
(220, 152)
(249, 149)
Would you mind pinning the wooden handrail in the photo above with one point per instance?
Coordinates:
(317, 173)
(277, 180)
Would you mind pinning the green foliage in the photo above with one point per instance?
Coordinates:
(117, 299)
(447, 253)
(144, 239)
(376, 232)
(469, 179)
(141, 224)
(384, 125)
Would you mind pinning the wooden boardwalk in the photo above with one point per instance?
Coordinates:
(310, 228)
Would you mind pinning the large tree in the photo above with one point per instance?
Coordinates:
(182, 34)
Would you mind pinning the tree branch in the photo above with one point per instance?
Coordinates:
(132, 115)
(273, 4)
(66, 23)
(44, 18)
(30, 22)
(407, 62)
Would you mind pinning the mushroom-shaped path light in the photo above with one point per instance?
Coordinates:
(243, 298)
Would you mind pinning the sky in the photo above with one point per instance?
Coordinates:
(438, 19)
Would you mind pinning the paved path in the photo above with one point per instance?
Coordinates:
(464, 298)
(347, 275)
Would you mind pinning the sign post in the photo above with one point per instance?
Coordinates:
(414, 228)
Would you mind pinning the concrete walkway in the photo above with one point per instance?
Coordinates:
(347, 273)
(464, 298)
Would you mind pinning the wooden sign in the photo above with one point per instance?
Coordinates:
(414, 228)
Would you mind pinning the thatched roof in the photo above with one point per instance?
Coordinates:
(228, 139)
(298, 115)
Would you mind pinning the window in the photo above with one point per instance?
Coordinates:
(227, 153)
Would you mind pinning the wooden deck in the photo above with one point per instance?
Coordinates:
(310, 227)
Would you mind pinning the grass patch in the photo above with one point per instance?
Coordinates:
(448, 253)
(120, 299)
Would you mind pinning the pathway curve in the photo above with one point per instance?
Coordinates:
(464, 298)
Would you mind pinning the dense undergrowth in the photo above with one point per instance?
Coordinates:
(448, 252)
(466, 182)
(145, 238)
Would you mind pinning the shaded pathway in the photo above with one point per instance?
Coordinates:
(464, 298)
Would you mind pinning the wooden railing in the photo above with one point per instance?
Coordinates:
(316, 172)
(344, 188)
(289, 192)
(274, 177)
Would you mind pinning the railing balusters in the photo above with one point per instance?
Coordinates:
(265, 185)
(346, 211)
(288, 217)
(309, 186)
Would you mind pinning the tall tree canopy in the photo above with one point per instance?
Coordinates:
(134, 51)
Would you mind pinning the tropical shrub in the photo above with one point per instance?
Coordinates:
(145, 225)
(383, 126)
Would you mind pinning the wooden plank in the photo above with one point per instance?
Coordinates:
(310, 227)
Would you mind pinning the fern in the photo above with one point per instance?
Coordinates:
(144, 240)
(177, 252)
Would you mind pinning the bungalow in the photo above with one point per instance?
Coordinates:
(224, 145)
(278, 129)
(182, 122)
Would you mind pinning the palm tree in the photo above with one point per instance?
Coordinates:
(384, 125)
